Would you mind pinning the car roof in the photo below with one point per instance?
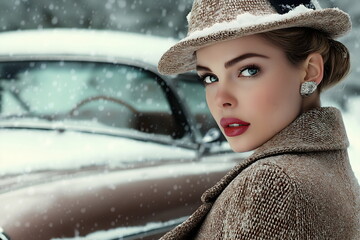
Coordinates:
(84, 42)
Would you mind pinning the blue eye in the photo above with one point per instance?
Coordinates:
(249, 71)
(207, 79)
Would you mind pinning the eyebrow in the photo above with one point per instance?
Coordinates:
(202, 68)
(242, 58)
(233, 61)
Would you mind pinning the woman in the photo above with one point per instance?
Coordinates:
(264, 64)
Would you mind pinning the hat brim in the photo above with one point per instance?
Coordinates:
(181, 57)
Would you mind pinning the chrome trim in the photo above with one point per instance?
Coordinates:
(3, 236)
(131, 233)
(100, 130)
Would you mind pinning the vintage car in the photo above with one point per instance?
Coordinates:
(95, 143)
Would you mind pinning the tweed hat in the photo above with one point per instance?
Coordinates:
(213, 21)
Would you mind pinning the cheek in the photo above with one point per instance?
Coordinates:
(278, 99)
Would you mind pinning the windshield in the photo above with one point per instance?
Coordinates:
(105, 94)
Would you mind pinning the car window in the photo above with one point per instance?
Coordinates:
(193, 93)
(111, 95)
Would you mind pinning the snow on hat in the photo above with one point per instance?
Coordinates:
(213, 21)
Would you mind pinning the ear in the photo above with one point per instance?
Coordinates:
(314, 68)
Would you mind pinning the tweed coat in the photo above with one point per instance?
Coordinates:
(298, 185)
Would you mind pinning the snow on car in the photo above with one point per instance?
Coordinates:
(95, 141)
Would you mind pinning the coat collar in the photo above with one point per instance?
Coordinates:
(320, 129)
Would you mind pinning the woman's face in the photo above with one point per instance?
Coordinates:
(252, 89)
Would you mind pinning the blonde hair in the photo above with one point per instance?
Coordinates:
(298, 43)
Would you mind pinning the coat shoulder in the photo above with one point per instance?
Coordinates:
(265, 176)
(314, 187)
(258, 203)
(269, 169)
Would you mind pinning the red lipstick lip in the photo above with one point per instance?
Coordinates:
(232, 131)
(225, 122)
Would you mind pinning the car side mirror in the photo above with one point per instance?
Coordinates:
(212, 135)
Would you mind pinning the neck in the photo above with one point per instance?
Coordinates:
(311, 102)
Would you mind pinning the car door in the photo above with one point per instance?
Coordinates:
(95, 149)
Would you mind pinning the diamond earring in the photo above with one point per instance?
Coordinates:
(307, 88)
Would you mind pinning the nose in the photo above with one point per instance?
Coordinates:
(225, 97)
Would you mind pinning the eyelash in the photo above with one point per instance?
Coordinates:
(250, 67)
(203, 77)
